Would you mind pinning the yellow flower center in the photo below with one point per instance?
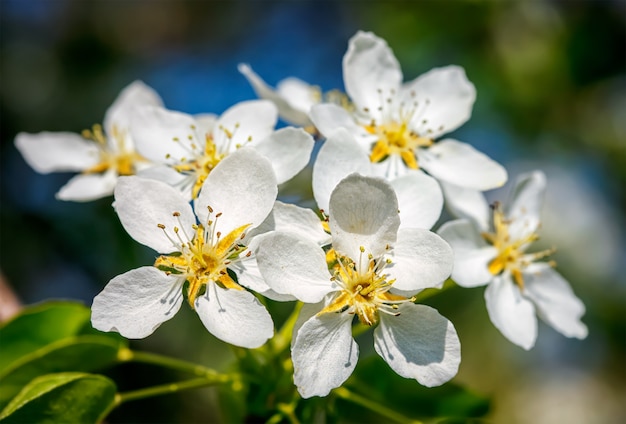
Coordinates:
(363, 293)
(122, 159)
(204, 258)
(202, 165)
(396, 139)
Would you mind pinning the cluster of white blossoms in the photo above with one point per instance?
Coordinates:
(202, 192)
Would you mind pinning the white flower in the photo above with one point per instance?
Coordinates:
(196, 257)
(100, 154)
(189, 148)
(377, 268)
(495, 255)
(396, 124)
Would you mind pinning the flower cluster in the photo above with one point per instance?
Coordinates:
(202, 192)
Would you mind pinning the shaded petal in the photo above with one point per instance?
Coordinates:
(170, 176)
(420, 344)
(249, 275)
(467, 203)
(143, 204)
(421, 259)
(47, 152)
(328, 117)
(419, 199)
(234, 316)
(119, 113)
(294, 265)
(370, 72)
(510, 312)
(324, 354)
(88, 187)
(205, 123)
(460, 164)
(288, 150)
(339, 156)
(472, 254)
(292, 97)
(135, 303)
(307, 311)
(242, 187)
(165, 136)
(523, 208)
(363, 212)
(249, 121)
(446, 98)
(555, 301)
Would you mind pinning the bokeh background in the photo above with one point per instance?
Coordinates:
(551, 83)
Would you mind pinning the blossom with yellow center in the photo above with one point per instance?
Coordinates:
(376, 270)
(203, 254)
(189, 148)
(492, 251)
(100, 154)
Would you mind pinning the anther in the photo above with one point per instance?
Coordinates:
(176, 214)
(161, 226)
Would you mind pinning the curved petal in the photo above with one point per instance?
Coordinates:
(445, 98)
(205, 123)
(467, 203)
(472, 254)
(234, 316)
(288, 150)
(523, 208)
(328, 117)
(88, 187)
(299, 94)
(420, 259)
(460, 164)
(47, 152)
(510, 312)
(249, 275)
(419, 343)
(419, 199)
(555, 301)
(249, 121)
(290, 97)
(135, 303)
(371, 72)
(242, 187)
(363, 213)
(324, 354)
(117, 117)
(170, 176)
(165, 136)
(339, 156)
(142, 205)
(295, 266)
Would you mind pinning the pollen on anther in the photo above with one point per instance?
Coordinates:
(161, 226)
(210, 209)
(176, 214)
(218, 214)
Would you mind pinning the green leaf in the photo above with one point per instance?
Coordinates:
(79, 353)
(62, 398)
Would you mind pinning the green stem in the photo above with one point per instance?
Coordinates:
(425, 294)
(282, 339)
(346, 394)
(128, 355)
(170, 388)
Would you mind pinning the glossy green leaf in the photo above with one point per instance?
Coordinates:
(79, 353)
(62, 398)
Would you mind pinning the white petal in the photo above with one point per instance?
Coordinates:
(165, 136)
(419, 199)
(119, 113)
(460, 164)
(339, 156)
(467, 203)
(420, 259)
(446, 97)
(234, 316)
(510, 312)
(57, 151)
(135, 303)
(324, 354)
(363, 213)
(242, 187)
(294, 219)
(289, 97)
(249, 275)
(328, 117)
(307, 311)
(299, 94)
(168, 175)
(88, 187)
(555, 301)
(294, 265)
(288, 150)
(369, 68)
(143, 204)
(472, 254)
(252, 120)
(205, 123)
(523, 208)
(419, 344)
